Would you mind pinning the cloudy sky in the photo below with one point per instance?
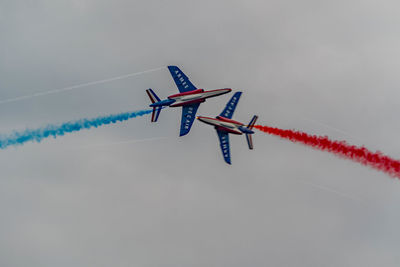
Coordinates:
(135, 194)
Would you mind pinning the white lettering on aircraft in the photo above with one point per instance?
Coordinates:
(188, 117)
(181, 79)
(231, 106)
(225, 146)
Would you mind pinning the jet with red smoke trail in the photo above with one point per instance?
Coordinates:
(189, 99)
(225, 126)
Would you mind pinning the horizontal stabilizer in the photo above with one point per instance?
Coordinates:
(250, 126)
(155, 114)
(252, 122)
(249, 141)
(153, 97)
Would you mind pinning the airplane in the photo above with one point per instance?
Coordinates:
(225, 126)
(189, 99)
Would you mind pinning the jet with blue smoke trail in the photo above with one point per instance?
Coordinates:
(54, 130)
(189, 99)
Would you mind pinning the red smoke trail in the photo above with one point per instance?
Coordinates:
(359, 154)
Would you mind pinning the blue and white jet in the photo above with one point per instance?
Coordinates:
(189, 99)
(225, 126)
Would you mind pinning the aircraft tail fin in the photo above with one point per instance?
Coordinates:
(249, 141)
(155, 114)
(250, 126)
(252, 122)
(153, 97)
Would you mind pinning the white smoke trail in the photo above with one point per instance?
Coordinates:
(73, 87)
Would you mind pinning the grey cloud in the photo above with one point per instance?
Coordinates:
(317, 66)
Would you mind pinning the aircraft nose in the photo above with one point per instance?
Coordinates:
(200, 118)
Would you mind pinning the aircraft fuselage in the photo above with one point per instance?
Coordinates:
(226, 125)
(191, 97)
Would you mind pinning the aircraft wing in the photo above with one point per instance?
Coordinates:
(231, 106)
(224, 144)
(188, 116)
(181, 80)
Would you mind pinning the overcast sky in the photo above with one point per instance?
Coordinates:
(135, 194)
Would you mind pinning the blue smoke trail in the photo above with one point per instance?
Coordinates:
(54, 130)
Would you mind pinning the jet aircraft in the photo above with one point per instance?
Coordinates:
(189, 99)
(225, 126)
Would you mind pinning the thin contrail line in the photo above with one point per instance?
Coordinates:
(332, 190)
(73, 87)
(333, 128)
(306, 118)
(131, 141)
